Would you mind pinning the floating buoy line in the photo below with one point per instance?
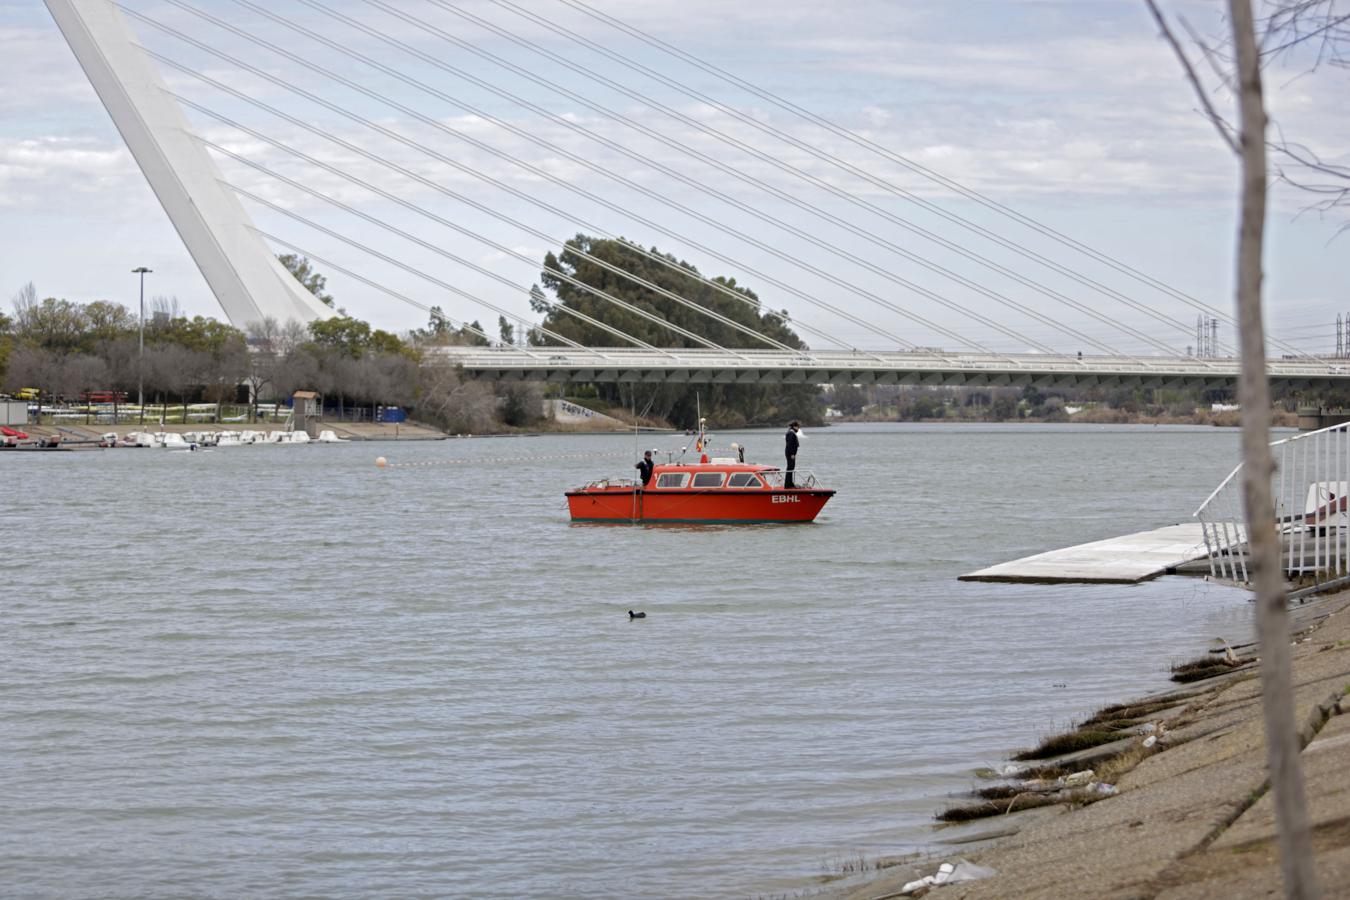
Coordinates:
(382, 463)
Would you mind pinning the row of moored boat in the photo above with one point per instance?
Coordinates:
(188, 440)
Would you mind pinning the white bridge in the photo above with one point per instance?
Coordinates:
(237, 261)
(622, 364)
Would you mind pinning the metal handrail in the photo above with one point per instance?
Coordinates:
(774, 478)
(801, 478)
(1309, 484)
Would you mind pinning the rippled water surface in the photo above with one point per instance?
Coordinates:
(269, 671)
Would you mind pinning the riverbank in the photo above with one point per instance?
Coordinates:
(1280, 418)
(1192, 814)
(365, 431)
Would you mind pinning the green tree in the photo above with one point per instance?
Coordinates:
(849, 399)
(522, 404)
(107, 322)
(309, 279)
(506, 330)
(56, 325)
(198, 333)
(726, 405)
(1003, 409)
(354, 338)
(343, 334)
(473, 335)
(384, 343)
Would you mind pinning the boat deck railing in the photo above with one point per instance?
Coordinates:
(801, 478)
(775, 478)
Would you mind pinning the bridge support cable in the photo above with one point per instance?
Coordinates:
(440, 126)
(534, 170)
(647, 161)
(431, 279)
(500, 248)
(760, 184)
(600, 170)
(427, 245)
(796, 171)
(481, 207)
(488, 210)
(431, 311)
(924, 172)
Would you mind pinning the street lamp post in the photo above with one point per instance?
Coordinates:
(140, 350)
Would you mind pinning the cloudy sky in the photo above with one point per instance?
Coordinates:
(493, 135)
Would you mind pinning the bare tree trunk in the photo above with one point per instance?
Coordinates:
(1272, 615)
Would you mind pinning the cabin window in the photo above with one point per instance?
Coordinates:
(743, 480)
(672, 480)
(708, 479)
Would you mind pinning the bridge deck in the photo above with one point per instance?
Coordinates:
(1122, 560)
(617, 364)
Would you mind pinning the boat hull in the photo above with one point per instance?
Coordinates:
(740, 507)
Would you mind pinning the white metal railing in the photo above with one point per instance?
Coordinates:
(777, 478)
(1309, 486)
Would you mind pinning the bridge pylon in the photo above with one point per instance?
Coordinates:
(242, 272)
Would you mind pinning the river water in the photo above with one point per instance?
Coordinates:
(281, 671)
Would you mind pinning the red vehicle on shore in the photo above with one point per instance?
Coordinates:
(708, 490)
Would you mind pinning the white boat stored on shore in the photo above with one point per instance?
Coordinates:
(170, 440)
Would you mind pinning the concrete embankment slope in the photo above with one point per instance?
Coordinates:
(1195, 820)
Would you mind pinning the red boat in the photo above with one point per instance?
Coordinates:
(717, 490)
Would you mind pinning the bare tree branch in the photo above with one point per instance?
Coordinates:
(1220, 125)
(1272, 604)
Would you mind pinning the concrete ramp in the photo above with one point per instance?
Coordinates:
(1122, 560)
(565, 412)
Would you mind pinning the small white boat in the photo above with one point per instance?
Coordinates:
(228, 439)
(328, 436)
(171, 440)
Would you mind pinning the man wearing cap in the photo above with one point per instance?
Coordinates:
(645, 468)
(791, 450)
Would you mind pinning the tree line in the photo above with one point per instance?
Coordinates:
(67, 350)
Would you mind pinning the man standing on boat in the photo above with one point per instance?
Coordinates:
(645, 468)
(791, 450)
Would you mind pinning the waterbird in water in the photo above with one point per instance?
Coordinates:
(636, 615)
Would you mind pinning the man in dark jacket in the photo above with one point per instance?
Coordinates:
(791, 450)
(645, 468)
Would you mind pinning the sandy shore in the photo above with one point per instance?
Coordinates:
(1194, 818)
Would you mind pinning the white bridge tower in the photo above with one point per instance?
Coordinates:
(242, 272)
